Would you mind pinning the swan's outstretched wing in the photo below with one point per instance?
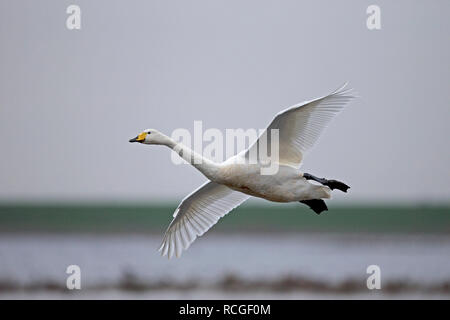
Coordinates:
(301, 125)
(198, 212)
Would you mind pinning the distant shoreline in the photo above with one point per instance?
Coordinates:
(154, 218)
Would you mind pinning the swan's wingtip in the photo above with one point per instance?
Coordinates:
(341, 88)
(167, 252)
(344, 90)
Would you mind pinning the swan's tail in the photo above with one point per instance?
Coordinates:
(321, 192)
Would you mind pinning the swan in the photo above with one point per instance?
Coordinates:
(233, 181)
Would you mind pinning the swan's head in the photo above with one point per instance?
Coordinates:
(150, 136)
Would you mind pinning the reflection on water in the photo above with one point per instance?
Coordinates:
(226, 266)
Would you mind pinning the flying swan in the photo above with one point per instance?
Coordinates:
(236, 179)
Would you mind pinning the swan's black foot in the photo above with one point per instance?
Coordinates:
(317, 205)
(332, 184)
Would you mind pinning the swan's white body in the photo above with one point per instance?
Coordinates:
(235, 180)
(286, 185)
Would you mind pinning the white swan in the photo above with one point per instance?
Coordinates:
(232, 181)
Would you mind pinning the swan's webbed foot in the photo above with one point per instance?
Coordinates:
(317, 205)
(332, 184)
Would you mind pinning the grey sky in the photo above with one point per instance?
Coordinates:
(70, 100)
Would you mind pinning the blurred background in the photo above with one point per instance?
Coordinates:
(74, 191)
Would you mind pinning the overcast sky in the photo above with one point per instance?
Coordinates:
(71, 99)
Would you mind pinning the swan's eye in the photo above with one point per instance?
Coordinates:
(148, 132)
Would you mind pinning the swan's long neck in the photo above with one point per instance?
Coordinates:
(207, 167)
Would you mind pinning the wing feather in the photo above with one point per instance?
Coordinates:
(301, 125)
(196, 214)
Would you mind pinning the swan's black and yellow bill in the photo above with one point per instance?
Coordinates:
(139, 138)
